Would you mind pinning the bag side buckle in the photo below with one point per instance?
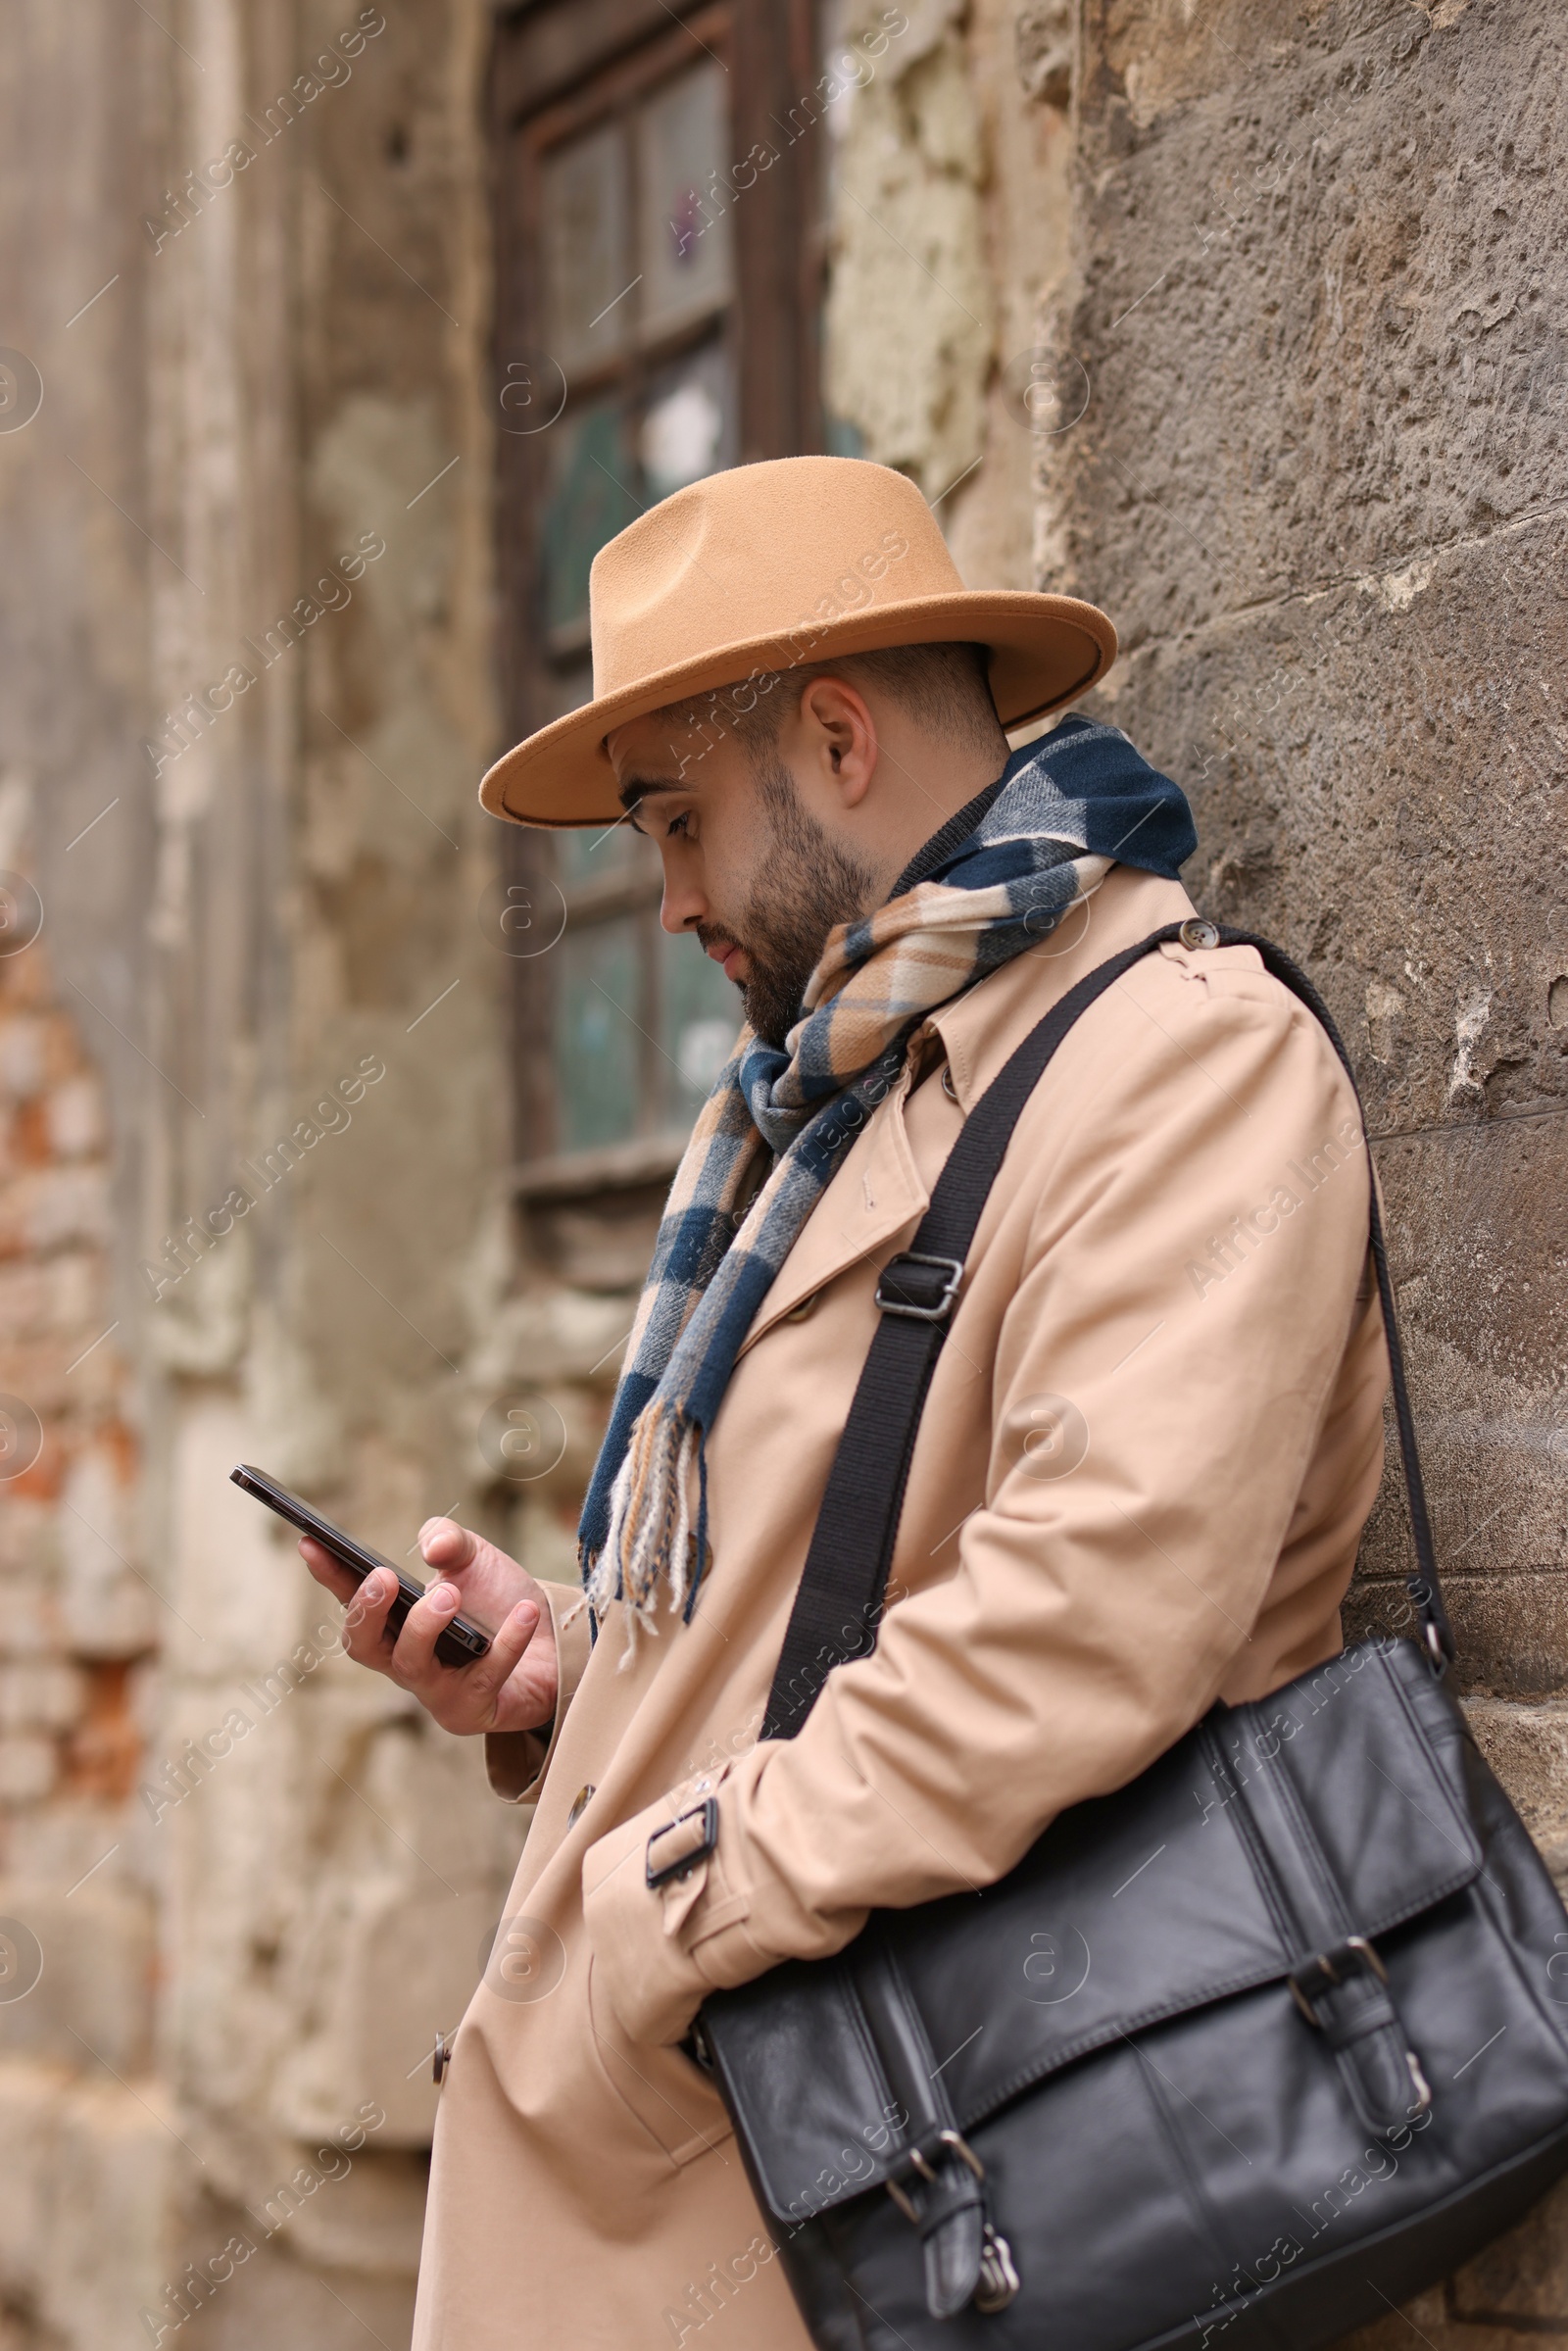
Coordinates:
(1329, 1967)
(690, 1849)
(917, 1291)
(921, 2163)
(995, 2280)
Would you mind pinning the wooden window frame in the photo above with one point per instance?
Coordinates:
(557, 67)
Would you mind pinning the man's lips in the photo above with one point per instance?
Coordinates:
(730, 953)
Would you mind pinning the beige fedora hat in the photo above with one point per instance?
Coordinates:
(764, 567)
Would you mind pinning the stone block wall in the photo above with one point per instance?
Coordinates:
(1287, 282)
(1321, 481)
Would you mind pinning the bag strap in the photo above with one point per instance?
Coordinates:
(843, 1583)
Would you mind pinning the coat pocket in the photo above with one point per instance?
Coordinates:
(664, 2090)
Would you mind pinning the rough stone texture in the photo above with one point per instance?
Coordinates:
(1320, 484)
(89, 2196)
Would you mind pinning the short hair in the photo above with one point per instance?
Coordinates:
(945, 687)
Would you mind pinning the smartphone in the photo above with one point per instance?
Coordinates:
(458, 1642)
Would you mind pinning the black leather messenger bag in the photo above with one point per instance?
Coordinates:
(1252, 2049)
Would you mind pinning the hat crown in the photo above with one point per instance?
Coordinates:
(764, 567)
(778, 551)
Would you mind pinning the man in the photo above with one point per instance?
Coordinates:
(1149, 1443)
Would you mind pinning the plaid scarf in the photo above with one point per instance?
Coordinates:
(1066, 809)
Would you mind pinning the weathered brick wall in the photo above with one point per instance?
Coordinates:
(80, 1628)
(78, 1620)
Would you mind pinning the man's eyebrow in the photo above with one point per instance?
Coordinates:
(634, 788)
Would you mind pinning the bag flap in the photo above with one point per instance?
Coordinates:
(1131, 1909)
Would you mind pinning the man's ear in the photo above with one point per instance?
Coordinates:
(839, 736)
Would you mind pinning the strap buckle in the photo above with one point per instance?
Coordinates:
(919, 2161)
(1310, 1981)
(689, 1850)
(1330, 1969)
(918, 1293)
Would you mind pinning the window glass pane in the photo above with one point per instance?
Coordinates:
(565, 689)
(583, 200)
(605, 852)
(599, 1046)
(683, 227)
(688, 426)
(700, 1017)
(590, 501)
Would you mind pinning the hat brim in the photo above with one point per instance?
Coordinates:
(1045, 651)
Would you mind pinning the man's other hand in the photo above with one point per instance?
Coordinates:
(510, 1689)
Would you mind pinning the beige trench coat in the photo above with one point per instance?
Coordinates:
(1150, 1443)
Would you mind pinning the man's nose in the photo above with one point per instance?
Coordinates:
(683, 906)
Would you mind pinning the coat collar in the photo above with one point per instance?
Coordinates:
(981, 1028)
(878, 1192)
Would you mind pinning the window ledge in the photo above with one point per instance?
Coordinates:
(616, 1167)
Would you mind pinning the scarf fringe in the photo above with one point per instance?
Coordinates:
(647, 1561)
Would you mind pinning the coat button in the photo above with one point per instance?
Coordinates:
(948, 1086)
(808, 1306)
(1197, 933)
(441, 2058)
(579, 1803)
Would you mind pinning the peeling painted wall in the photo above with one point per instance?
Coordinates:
(247, 648)
(910, 308)
(950, 210)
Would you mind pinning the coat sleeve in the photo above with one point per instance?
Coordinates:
(1212, 1202)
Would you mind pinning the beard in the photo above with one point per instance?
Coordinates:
(808, 887)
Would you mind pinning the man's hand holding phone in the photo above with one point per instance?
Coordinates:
(511, 1688)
